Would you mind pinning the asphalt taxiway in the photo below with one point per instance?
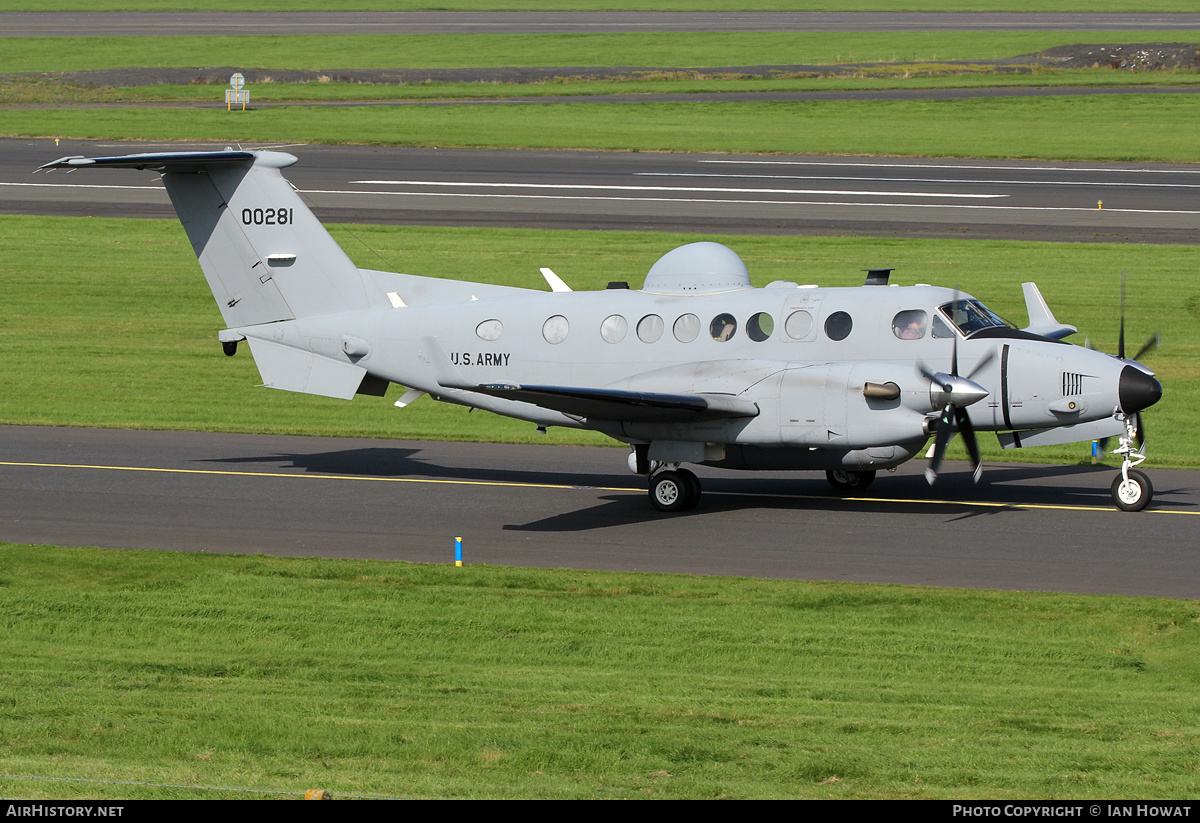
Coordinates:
(1025, 527)
(777, 194)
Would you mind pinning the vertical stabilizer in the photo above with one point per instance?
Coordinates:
(265, 255)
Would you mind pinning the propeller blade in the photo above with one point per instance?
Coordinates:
(1150, 345)
(982, 364)
(928, 373)
(968, 435)
(954, 343)
(944, 430)
(1140, 428)
(1121, 337)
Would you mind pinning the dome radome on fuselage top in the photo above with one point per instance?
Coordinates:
(698, 267)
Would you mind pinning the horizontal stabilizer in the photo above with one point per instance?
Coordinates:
(173, 160)
(283, 367)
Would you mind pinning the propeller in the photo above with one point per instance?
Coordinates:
(1150, 345)
(1152, 342)
(956, 393)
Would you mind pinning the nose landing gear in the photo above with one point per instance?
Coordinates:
(1131, 489)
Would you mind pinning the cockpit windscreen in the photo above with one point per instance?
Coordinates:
(970, 316)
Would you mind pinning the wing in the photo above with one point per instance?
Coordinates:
(618, 404)
(597, 403)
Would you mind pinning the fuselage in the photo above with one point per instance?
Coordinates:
(802, 354)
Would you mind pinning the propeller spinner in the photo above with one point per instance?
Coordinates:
(954, 393)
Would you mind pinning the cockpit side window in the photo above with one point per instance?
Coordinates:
(910, 324)
(970, 316)
(941, 329)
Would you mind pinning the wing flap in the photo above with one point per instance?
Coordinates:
(620, 404)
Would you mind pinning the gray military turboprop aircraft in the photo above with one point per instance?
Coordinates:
(695, 367)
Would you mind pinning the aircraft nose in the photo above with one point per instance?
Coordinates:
(1137, 390)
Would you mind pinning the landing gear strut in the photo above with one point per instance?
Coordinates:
(1131, 489)
(674, 490)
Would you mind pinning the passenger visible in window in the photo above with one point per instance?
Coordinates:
(909, 325)
(722, 328)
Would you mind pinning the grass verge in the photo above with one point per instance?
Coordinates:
(453, 51)
(403, 680)
(1111, 127)
(110, 322)
(600, 5)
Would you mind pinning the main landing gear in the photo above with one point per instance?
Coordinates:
(850, 482)
(673, 489)
(1131, 489)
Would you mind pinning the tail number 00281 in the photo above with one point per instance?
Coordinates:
(266, 217)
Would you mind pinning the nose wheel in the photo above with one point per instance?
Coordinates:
(674, 490)
(1132, 493)
(1131, 489)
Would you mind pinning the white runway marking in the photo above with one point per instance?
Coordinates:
(944, 166)
(723, 201)
(707, 190)
(996, 182)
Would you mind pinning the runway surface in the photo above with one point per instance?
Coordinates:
(159, 24)
(1025, 527)
(1142, 202)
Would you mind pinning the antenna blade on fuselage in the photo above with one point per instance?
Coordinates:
(1041, 320)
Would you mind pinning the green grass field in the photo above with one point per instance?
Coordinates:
(429, 51)
(370, 678)
(1117, 127)
(602, 5)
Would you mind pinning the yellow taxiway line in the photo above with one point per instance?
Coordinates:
(919, 501)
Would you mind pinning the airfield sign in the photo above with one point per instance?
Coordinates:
(236, 93)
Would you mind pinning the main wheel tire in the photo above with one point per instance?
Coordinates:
(1132, 495)
(694, 489)
(850, 482)
(671, 492)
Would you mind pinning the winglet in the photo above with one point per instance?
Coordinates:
(556, 282)
(1041, 319)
